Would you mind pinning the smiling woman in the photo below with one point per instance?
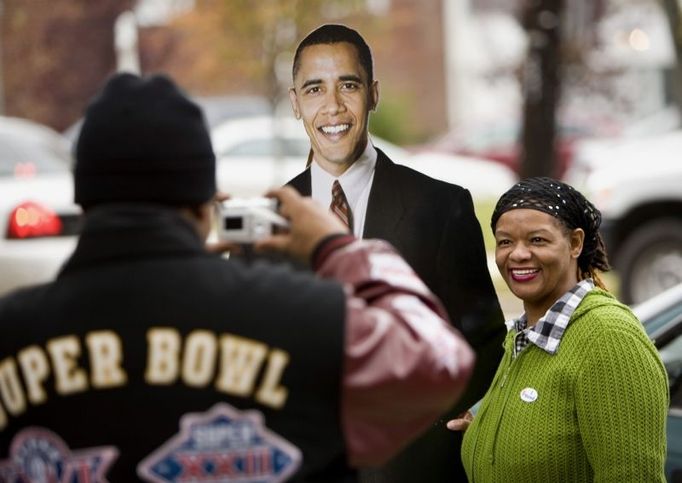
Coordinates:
(598, 405)
(537, 257)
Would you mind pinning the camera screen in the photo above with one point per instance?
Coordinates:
(233, 223)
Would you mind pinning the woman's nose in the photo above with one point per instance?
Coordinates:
(520, 252)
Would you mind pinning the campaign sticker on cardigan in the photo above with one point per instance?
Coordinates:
(222, 444)
(529, 395)
(37, 454)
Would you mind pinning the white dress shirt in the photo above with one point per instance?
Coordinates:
(356, 183)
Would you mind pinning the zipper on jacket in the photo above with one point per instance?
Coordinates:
(474, 448)
(499, 383)
(504, 403)
(481, 413)
(500, 386)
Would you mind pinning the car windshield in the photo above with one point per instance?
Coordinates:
(662, 319)
(24, 157)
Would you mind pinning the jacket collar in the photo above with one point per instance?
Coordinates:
(122, 232)
(303, 183)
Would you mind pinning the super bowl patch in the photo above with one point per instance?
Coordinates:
(39, 455)
(222, 444)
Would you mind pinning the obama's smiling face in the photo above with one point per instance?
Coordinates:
(333, 97)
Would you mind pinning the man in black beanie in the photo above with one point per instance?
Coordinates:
(150, 359)
(144, 141)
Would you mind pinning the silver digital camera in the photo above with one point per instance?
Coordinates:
(247, 220)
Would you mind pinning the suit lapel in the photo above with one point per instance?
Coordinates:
(302, 183)
(385, 207)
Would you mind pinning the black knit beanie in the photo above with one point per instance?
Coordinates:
(143, 140)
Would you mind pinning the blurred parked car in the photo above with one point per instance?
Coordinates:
(217, 109)
(500, 142)
(37, 214)
(637, 185)
(261, 152)
(662, 320)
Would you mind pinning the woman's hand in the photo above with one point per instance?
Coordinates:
(461, 423)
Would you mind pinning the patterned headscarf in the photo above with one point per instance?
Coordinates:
(566, 204)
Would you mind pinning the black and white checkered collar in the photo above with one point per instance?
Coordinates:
(549, 330)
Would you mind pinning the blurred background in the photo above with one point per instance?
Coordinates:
(476, 92)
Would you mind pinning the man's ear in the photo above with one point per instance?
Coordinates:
(374, 95)
(294, 102)
(200, 216)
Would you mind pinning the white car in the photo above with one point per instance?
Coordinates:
(637, 185)
(261, 152)
(38, 219)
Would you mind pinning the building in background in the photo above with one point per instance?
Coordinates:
(442, 64)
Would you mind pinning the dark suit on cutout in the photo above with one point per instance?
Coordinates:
(433, 225)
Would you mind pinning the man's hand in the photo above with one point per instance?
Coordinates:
(309, 223)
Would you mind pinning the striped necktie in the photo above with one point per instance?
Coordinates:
(339, 205)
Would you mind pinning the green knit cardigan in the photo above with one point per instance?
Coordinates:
(594, 411)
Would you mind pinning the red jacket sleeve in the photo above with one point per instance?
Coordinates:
(404, 364)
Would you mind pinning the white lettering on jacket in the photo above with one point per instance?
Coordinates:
(234, 365)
